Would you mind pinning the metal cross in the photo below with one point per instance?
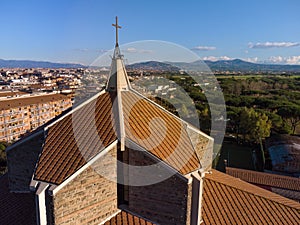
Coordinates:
(117, 27)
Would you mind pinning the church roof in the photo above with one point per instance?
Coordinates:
(120, 113)
(228, 200)
(62, 155)
(172, 144)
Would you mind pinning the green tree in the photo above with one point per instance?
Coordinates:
(255, 125)
(278, 124)
(291, 115)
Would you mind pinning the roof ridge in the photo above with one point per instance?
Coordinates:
(244, 186)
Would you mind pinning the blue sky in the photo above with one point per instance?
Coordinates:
(80, 30)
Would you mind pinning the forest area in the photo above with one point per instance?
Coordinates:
(256, 106)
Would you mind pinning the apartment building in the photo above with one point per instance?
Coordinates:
(21, 114)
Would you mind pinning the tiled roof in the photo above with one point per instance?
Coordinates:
(71, 142)
(228, 200)
(126, 218)
(295, 195)
(24, 101)
(269, 179)
(16, 208)
(62, 154)
(159, 132)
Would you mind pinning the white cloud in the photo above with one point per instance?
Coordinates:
(273, 44)
(292, 60)
(134, 50)
(275, 59)
(252, 60)
(204, 48)
(216, 58)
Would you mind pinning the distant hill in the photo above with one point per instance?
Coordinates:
(36, 64)
(153, 66)
(235, 65)
(243, 66)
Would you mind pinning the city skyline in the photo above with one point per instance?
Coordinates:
(79, 31)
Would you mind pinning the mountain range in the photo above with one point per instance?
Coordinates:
(243, 66)
(36, 64)
(235, 65)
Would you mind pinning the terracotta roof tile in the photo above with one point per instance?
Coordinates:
(268, 179)
(126, 218)
(295, 195)
(228, 200)
(16, 208)
(159, 132)
(71, 142)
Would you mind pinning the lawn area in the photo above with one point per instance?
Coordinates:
(237, 156)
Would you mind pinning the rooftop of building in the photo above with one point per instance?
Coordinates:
(16, 102)
(16, 208)
(267, 179)
(172, 145)
(229, 200)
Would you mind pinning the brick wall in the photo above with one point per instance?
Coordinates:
(21, 163)
(89, 198)
(165, 202)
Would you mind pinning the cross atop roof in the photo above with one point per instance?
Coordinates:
(117, 27)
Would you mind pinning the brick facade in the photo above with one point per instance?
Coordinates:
(21, 115)
(89, 198)
(167, 202)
